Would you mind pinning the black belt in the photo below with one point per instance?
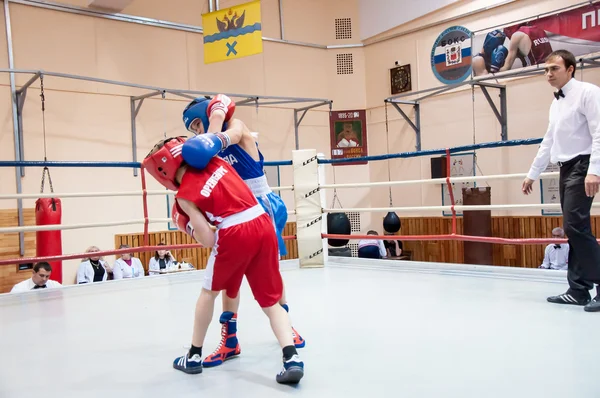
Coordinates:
(572, 161)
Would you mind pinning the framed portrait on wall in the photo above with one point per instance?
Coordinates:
(348, 130)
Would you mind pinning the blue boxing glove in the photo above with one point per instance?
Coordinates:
(200, 149)
(498, 58)
(492, 40)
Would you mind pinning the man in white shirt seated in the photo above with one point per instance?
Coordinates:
(556, 256)
(371, 248)
(40, 279)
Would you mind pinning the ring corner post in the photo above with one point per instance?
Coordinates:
(309, 216)
(323, 198)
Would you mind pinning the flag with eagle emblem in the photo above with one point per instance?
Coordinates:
(232, 33)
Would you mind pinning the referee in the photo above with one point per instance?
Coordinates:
(573, 142)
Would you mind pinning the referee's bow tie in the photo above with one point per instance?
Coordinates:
(559, 94)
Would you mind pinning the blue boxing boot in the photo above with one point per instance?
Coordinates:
(293, 367)
(189, 365)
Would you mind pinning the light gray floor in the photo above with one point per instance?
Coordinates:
(373, 329)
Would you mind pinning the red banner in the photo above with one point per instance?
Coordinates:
(529, 43)
(348, 135)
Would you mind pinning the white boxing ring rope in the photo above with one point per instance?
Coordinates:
(448, 180)
(449, 208)
(309, 194)
(312, 244)
(435, 181)
(103, 194)
(54, 227)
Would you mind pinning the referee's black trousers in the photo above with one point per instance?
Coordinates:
(584, 251)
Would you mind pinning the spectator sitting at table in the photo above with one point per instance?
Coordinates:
(162, 261)
(371, 248)
(127, 266)
(93, 269)
(390, 246)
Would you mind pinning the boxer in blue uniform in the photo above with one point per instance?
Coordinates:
(492, 56)
(219, 134)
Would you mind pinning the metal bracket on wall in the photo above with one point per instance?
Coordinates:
(416, 126)
(501, 115)
(298, 120)
(20, 96)
(135, 109)
(137, 101)
(590, 61)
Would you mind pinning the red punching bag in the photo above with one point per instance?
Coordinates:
(48, 211)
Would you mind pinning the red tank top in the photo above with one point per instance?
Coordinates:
(540, 45)
(217, 190)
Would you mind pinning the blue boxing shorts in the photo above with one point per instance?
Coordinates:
(276, 209)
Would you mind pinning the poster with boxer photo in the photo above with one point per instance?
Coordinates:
(529, 43)
(348, 131)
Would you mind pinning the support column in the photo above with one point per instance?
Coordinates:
(478, 223)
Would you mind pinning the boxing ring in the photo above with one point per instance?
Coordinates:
(376, 327)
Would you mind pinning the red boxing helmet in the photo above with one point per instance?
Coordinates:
(164, 160)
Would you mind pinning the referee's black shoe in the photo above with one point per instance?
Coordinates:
(594, 305)
(568, 298)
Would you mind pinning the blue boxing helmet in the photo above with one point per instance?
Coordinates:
(492, 40)
(196, 110)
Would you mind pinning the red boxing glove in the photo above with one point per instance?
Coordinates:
(181, 220)
(222, 103)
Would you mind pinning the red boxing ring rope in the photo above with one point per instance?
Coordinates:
(454, 237)
(450, 190)
(145, 204)
(137, 249)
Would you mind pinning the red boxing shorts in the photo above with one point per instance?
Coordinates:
(246, 244)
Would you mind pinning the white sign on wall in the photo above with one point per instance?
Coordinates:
(550, 192)
(460, 166)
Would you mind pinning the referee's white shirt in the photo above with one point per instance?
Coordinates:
(573, 129)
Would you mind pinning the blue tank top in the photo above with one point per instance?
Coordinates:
(242, 162)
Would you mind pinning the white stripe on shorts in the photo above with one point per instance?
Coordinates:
(210, 265)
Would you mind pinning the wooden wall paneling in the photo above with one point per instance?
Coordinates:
(9, 247)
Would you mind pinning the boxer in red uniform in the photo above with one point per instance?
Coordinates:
(244, 244)
(204, 115)
(529, 44)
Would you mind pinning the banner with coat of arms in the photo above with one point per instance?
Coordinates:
(232, 33)
(451, 55)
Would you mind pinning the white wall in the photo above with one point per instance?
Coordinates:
(377, 16)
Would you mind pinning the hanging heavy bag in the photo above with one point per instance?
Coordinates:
(391, 222)
(48, 211)
(338, 224)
